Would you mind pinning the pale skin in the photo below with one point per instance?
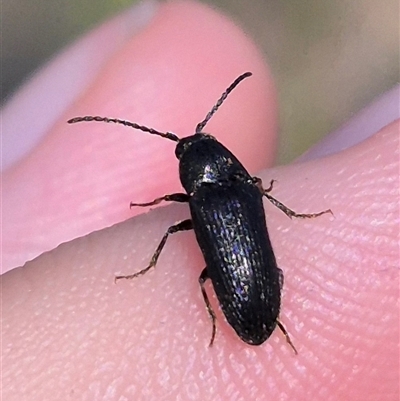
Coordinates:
(69, 330)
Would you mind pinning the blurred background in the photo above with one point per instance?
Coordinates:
(329, 58)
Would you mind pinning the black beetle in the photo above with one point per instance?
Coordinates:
(229, 223)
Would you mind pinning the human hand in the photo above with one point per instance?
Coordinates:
(70, 330)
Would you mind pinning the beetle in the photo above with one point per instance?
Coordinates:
(228, 219)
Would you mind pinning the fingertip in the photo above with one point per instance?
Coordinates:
(167, 75)
(36, 107)
(170, 74)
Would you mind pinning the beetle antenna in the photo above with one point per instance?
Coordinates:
(168, 135)
(234, 84)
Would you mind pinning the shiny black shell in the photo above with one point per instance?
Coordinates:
(229, 223)
(227, 216)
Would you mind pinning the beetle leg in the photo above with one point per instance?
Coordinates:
(258, 182)
(269, 189)
(181, 226)
(286, 334)
(289, 212)
(178, 197)
(202, 279)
